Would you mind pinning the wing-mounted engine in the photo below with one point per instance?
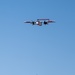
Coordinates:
(33, 22)
(45, 22)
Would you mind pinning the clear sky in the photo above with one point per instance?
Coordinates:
(37, 50)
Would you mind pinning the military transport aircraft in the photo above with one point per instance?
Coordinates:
(40, 21)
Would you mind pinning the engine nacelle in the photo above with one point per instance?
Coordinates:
(45, 22)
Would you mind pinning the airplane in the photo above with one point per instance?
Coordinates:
(40, 21)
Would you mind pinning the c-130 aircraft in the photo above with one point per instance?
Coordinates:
(39, 22)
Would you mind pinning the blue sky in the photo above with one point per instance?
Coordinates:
(37, 50)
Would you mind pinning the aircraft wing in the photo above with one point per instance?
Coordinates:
(28, 22)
